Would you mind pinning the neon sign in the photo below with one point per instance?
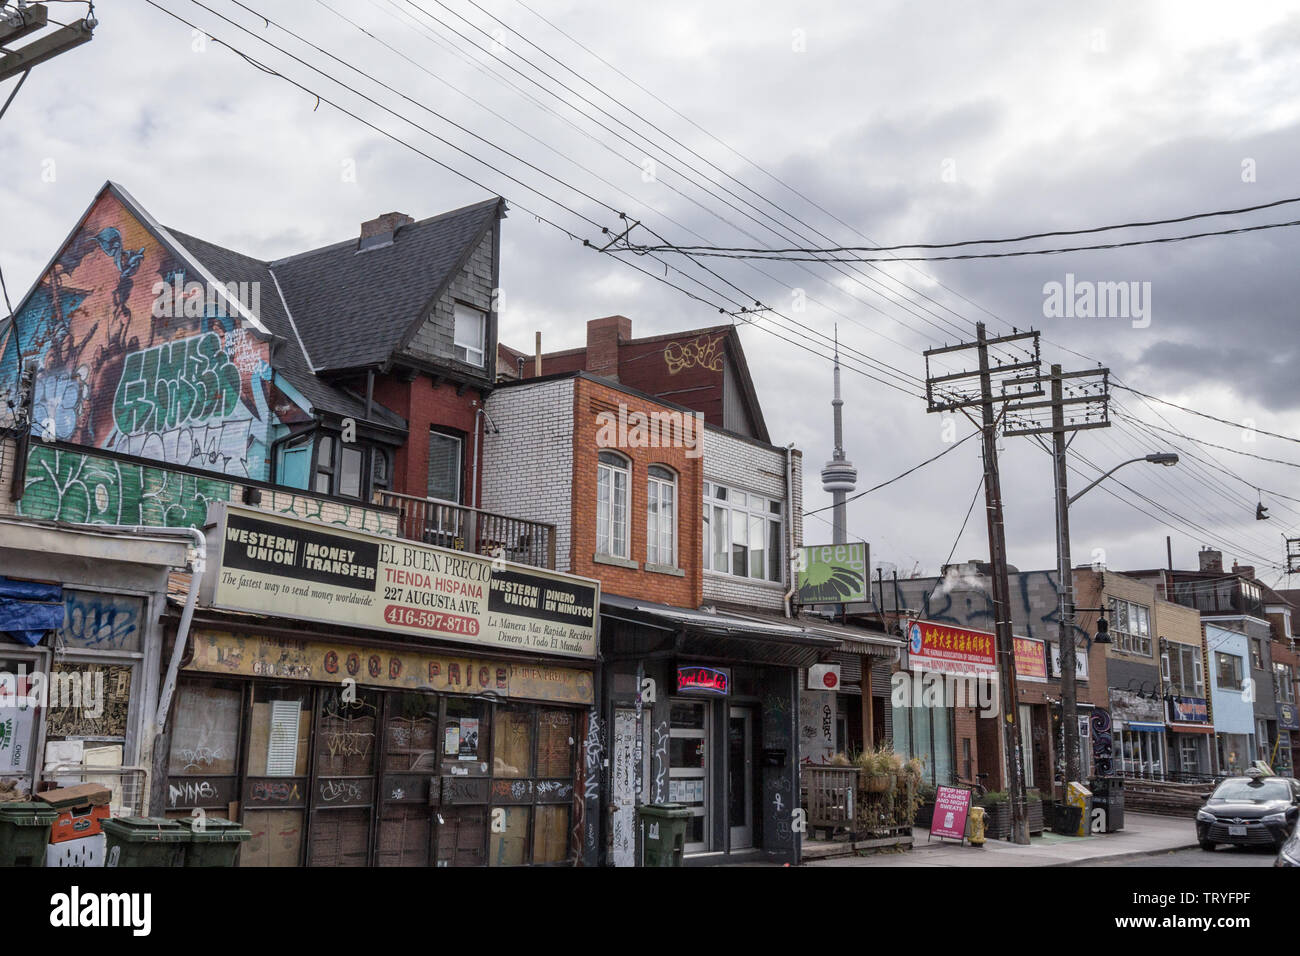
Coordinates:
(703, 680)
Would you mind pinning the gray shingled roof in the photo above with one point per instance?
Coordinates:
(353, 308)
(288, 359)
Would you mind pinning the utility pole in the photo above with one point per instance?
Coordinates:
(1089, 401)
(955, 391)
(24, 20)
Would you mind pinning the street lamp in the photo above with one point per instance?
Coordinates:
(1166, 458)
(1065, 568)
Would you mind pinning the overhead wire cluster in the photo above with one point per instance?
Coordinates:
(554, 88)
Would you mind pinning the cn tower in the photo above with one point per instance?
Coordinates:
(839, 477)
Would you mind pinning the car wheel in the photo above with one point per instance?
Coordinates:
(1207, 844)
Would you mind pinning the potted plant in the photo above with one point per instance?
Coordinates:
(878, 769)
(997, 814)
(926, 795)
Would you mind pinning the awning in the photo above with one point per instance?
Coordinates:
(1177, 728)
(726, 638)
(1140, 725)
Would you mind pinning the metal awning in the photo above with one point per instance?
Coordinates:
(724, 637)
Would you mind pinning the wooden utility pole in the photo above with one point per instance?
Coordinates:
(23, 21)
(1089, 404)
(954, 391)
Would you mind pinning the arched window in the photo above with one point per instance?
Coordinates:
(613, 479)
(661, 517)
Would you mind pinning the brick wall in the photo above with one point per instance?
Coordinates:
(754, 467)
(527, 466)
(590, 400)
(425, 403)
(87, 488)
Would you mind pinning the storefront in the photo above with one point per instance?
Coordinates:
(1190, 736)
(357, 700)
(80, 647)
(703, 710)
(1288, 729)
(409, 766)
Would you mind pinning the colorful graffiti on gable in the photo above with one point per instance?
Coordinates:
(190, 386)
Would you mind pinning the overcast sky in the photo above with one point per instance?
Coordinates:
(908, 122)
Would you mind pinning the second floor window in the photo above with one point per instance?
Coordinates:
(742, 533)
(471, 329)
(444, 467)
(1228, 668)
(1256, 653)
(1182, 670)
(661, 517)
(1131, 626)
(613, 478)
(1283, 683)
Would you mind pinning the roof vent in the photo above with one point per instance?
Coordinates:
(379, 232)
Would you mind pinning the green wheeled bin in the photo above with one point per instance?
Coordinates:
(663, 833)
(144, 841)
(25, 833)
(214, 843)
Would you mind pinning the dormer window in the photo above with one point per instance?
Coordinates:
(470, 335)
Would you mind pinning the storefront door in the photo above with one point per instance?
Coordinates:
(688, 768)
(740, 777)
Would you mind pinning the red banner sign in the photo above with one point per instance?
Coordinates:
(1031, 659)
(951, 807)
(950, 650)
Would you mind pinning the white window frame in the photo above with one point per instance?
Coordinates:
(661, 533)
(463, 310)
(728, 508)
(609, 473)
(1126, 639)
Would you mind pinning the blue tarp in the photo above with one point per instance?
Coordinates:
(24, 613)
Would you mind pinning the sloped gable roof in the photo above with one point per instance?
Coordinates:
(354, 309)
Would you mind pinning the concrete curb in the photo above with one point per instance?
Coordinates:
(1130, 855)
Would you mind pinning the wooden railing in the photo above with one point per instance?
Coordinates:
(449, 525)
(828, 794)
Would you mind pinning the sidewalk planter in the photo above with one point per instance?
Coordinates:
(997, 814)
(217, 843)
(144, 841)
(25, 833)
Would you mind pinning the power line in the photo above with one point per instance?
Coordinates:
(896, 477)
(762, 253)
(1235, 451)
(984, 242)
(969, 511)
(1213, 418)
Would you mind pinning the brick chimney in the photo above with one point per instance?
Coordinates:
(1211, 560)
(379, 231)
(1245, 570)
(603, 338)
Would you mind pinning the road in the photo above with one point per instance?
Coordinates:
(1224, 856)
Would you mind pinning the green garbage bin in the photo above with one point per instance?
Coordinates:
(663, 833)
(144, 841)
(25, 833)
(216, 843)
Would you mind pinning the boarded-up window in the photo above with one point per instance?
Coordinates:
(555, 743)
(461, 832)
(513, 755)
(551, 835)
(276, 838)
(340, 837)
(280, 732)
(404, 836)
(101, 622)
(510, 848)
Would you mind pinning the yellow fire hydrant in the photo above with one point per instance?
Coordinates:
(976, 826)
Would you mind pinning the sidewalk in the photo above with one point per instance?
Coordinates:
(1144, 834)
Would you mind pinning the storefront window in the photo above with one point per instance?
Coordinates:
(19, 718)
(344, 791)
(513, 755)
(410, 755)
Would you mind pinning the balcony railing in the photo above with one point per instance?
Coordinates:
(462, 528)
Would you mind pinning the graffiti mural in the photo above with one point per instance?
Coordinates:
(72, 486)
(182, 386)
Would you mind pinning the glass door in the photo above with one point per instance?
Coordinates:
(740, 777)
(688, 768)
